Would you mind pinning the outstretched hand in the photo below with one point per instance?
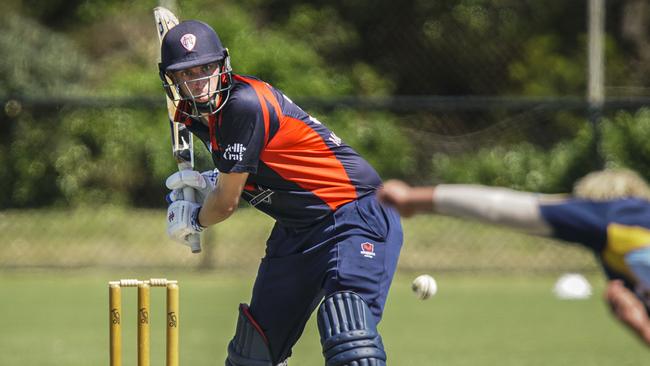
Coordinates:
(406, 199)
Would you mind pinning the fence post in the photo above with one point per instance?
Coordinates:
(596, 76)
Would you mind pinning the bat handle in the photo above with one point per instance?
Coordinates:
(195, 243)
(194, 239)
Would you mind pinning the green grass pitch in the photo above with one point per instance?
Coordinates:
(61, 318)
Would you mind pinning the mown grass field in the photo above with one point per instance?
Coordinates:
(61, 318)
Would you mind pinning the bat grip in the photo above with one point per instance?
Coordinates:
(193, 239)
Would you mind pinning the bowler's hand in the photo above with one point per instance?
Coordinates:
(397, 194)
(406, 199)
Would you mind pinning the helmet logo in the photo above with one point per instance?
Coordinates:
(188, 41)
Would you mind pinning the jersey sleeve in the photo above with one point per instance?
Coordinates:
(577, 221)
(241, 136)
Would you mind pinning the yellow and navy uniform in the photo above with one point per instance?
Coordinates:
(611, 229)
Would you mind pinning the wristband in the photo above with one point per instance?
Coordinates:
(194, 220)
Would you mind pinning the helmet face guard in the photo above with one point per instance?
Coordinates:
(218, 89)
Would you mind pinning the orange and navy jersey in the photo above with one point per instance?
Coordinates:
(611, 229)
(299, 170)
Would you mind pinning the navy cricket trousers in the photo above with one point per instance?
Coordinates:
(356, 249)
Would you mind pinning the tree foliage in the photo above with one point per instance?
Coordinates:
(523, 166)
(319, 49)
(625, 141)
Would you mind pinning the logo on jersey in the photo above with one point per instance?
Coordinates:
(368, 250)
(170, 218)
(188, 41)
(234, 152)
(335, 139)
(263, 197)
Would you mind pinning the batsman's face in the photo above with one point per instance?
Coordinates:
(199, 82)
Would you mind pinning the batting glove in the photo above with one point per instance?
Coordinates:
(183, 220)
(202, 183)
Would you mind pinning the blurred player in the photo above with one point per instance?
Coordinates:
(609, 213)
(332, 239)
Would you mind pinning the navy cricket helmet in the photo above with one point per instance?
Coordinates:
(190, 44)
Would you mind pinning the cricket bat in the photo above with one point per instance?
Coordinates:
(182, 143)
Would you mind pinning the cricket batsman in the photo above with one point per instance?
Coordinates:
(609, 213)
(332, 239)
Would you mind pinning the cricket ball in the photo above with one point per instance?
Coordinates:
(424, 286)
